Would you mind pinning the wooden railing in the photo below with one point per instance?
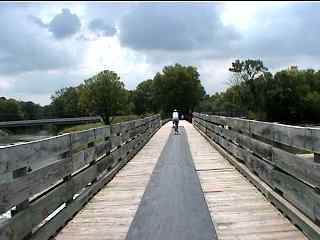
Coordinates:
(269, 152)
(44, 183)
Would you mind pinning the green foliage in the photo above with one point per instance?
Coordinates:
(103, 95)
(143, 97)
(177, 87)
(290, 96)
(65, 103)
(9, 110)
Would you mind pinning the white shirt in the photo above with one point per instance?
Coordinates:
(175, 116)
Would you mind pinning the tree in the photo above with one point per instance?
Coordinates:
(143, 97)
(30, 110)
(66, 102)
(104, 95)
(248, 83)
(178, 87)
(9, 110)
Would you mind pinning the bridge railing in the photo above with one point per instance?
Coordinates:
(269, 151)
(44, 183)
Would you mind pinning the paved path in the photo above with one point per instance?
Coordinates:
(173, 206)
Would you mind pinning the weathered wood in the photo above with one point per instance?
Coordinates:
(33, 154)
(294, 177)
(238, 210)
(82, 158)
(299, 219)
(305, 170)
(81, 139)
(115, 141)
(304, 138)
(51, 183)
(109, 213)
(299, 194)
(20, 189)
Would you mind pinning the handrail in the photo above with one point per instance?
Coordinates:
(263, 148)
(44, 183)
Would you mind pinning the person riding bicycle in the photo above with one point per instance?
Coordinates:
(175, 118)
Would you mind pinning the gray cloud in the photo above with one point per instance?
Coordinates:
(99, 27)
(24, 48)
(38, 21)
(175, 26)
(64, 24)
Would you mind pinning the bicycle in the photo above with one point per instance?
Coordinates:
(176, 128)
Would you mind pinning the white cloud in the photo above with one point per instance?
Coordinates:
(33, 64)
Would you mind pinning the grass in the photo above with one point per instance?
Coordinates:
(81, 127)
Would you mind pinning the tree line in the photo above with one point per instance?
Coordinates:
(104, 94)
(289, 96)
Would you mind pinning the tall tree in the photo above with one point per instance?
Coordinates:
(178, 87)
(104, 95)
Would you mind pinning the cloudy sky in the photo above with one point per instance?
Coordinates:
(47, 46)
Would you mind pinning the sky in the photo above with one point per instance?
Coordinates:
(45, 46)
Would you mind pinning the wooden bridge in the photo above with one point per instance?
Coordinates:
(220, 178)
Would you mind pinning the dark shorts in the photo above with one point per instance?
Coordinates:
(176, 121)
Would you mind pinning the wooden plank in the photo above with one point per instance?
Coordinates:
(82, 138)
(82, 158)
(294, 136)
(20, 189)
(305, 170)
(115, 129)
(101, 133)
(298, 193)
(33, 154)
(238, 210)
(116, 203)
(296, 216)
(115, 141)
(35, 182)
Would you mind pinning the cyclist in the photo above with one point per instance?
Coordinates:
(175, 119)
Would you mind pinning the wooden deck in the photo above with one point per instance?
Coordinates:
(238, 210)
(109, 214)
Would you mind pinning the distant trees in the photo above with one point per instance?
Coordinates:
(144, 98)
(288, 96)
(13, 110)
(66, 103)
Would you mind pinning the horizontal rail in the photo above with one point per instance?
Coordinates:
(292, 176)
(44, 183)
(55, 121)
(304, 138)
